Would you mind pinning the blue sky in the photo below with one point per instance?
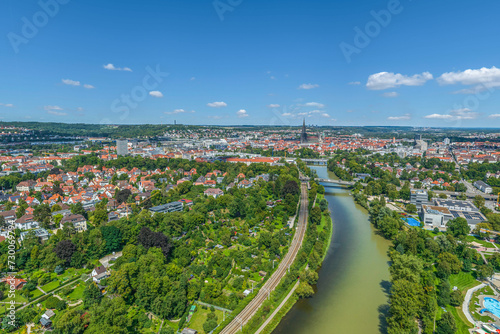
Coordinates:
(251, 62)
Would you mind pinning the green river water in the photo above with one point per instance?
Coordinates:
(351, 294)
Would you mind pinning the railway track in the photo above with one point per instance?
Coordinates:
(246, 314)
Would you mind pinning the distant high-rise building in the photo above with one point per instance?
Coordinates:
(303, 135)
(418, 137)
(447, 141)
(122, 147)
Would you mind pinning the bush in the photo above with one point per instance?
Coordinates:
(52, 302)
(59, 270)
(61, 305)
(167, 330)
(304, 290)
(44, 279)
(66, 291)
(209, 325)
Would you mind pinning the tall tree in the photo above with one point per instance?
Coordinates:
(64, 250)
(149, 239)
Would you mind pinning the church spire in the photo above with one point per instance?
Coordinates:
(303, 135)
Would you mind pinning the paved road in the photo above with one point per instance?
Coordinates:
(105, 260)
(278, 309)
(241, 319)
(465, 304)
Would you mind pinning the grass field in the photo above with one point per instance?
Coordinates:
(77, 293)
(463, 281)
(487, 244)
(17, 298)
(51, 286)
(462, 324)
(36, 293)
(199, 318)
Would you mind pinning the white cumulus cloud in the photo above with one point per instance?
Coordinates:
(479, 79)
(404, 117)
(178, 111)
(456, 115)
(385, 80)
(156, 93)
(494, 116)
(76, 83)
(273, 106)
(314, 105)
(71, 82)
(112, 67)
(470, 77)
(308, 86)
(8, 105)
(242, 113)
(217, 104)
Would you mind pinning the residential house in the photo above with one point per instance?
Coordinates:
(26, 222)
(26, 186)
(17, 283)
(78, 221)
(41, 233)
(99, 273)
(214, 192)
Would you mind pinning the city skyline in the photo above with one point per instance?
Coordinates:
(255, 63)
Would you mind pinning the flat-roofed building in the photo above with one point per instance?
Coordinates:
(169, 207)
(457, 205)
(435, 216)
(485, 188)
(438, 216)
(419, 197)
(122, 147)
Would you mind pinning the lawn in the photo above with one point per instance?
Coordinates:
(36, 293)
(463, 281)
(173, 325)
(70, 274)
(17, 298)
(51, 286)
(487, 244)
(77, 293)
(199, 318)
(462, 324)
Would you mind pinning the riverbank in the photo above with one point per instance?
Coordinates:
(353, 278)
(291, 299)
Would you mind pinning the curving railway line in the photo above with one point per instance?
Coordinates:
(246, 314)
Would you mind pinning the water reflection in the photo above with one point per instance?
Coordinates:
(351, 294)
